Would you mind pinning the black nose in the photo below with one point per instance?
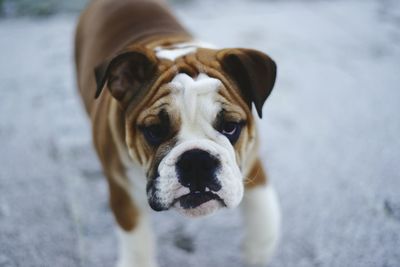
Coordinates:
(197, 170)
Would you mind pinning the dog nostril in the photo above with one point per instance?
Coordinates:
(209, 164)
(197, 160)
(186, 165)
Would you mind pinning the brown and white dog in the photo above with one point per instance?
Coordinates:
(172, 123)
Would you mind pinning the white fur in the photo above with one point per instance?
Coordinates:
(194, 96)
(172, 54)
(137, 246)
(262, 221)
(196, 101)
(137, 187)
(178, 50)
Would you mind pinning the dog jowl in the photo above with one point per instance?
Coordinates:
(172, 123)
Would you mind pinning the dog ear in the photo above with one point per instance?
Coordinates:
(125, 74)
(253, 71)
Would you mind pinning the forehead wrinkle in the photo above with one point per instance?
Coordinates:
(151, 114)
(152, 92)
(194, 94)
(162, 93)
(229, 104)
(162, 102)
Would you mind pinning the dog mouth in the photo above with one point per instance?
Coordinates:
(193, 200)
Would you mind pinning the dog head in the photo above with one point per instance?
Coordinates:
(188, 121)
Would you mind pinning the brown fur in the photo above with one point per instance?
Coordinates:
(256, 176)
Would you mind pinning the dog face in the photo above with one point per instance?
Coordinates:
(189, 126)
(192, 134)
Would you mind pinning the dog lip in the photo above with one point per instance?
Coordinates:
(194, 199)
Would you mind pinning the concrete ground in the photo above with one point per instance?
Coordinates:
(330, 140)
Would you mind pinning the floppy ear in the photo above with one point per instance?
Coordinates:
(253, 71)
(125, 74)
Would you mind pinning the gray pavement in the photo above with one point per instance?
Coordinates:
(330, 140)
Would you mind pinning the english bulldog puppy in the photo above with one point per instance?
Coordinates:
(172, 124)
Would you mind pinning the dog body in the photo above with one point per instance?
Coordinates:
(172, 123)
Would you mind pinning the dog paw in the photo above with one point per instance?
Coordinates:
(128, 263)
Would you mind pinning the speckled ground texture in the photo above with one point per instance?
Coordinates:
(330, 140)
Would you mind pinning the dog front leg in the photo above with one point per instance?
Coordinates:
(261, 218)
(137, 245)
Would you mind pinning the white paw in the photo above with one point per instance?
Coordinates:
(123, 263)
(130, 263)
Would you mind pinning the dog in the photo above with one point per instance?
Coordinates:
(172, 124)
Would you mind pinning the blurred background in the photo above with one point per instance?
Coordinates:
(330, 137)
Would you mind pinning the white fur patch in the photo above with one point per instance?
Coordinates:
(138, 183)
(178, 50)
(262, 220)
(195, 95)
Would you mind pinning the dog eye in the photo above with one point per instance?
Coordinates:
(155, 134)
(231, 130)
